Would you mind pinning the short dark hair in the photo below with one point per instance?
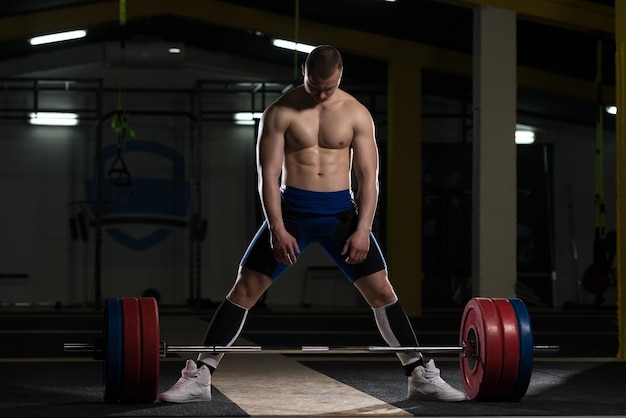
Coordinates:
(323, 61)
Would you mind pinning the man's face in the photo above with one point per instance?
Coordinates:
(321, 89)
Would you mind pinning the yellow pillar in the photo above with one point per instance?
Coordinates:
(404, 177)
(494, 189)
(620, 93)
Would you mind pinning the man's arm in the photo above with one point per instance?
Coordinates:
(365, 163)
(270, 155)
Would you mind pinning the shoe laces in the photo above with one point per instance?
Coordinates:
(190, 375)
(185, 379)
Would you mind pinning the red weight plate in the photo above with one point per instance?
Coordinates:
(480, 328)
(131, 360)
(150, 347)
(493, 349)
(511, 348)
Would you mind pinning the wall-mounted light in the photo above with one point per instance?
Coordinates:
(524, 134)
(611, 110)
(298, 46)
(54, 119)
(58, 37)
(246, 118)
(524, 137)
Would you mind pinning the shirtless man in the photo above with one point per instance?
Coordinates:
(311, 138)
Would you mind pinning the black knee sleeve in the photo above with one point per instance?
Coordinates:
(223, 330)
(396, 330)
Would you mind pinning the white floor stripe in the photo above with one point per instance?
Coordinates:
(273, 385)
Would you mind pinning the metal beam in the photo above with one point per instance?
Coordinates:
(580, 15)
(357, 42)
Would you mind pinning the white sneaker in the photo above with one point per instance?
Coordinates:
(426, 384)
(194, 385)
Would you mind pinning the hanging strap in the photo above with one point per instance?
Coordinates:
(600, 210)
(118, 172)
(296, 72)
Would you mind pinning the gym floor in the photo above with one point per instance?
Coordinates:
(38, 380)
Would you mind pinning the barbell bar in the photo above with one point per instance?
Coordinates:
(315, 349)
(495, 349)
(165, 349)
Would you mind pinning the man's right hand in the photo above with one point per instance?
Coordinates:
(284, 246)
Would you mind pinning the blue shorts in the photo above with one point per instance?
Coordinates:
(327, 218)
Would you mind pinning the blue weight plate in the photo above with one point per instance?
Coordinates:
(526, 349)
(113, 337)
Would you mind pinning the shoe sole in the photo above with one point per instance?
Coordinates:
(184, 400)
(436, 399)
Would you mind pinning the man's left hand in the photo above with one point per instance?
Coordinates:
(357, 247)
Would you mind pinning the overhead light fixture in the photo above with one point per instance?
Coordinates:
(54, 119)
(174, 50)
(611, 110)
(246, 118)
(297, 46)
(58, 37)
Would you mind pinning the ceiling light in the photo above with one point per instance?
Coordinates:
(175, 50)
(282, 43)
(54, 119)
(612, 110)
(58, 37)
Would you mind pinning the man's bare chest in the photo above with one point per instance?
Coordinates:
(324, 130)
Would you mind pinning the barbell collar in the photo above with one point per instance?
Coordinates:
(546, 349)
(80, 349)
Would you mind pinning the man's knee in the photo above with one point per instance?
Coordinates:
(249, 287)
(376, 289)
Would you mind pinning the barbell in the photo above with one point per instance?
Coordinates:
(495, 349)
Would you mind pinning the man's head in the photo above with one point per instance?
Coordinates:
(322, 72)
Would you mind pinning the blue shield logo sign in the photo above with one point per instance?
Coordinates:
(158, 202)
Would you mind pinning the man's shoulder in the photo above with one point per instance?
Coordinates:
(348, 98)
(290, 99)
(295, 93)
(352, 103)
(284, 107)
